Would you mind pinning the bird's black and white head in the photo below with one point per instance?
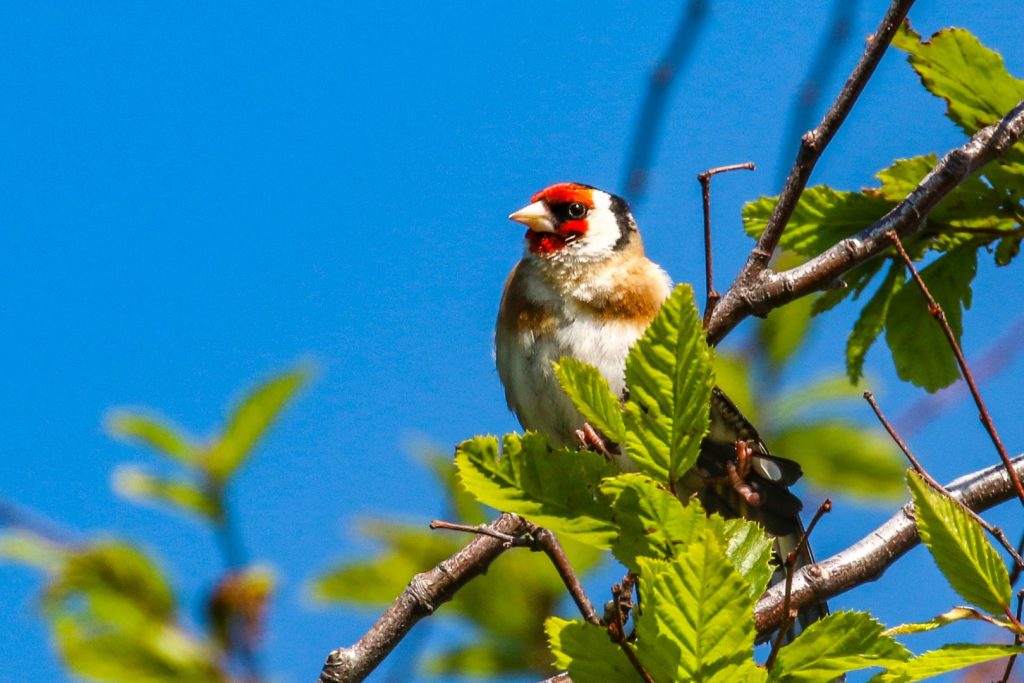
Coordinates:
(575, 223)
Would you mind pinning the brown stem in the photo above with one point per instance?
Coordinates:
(940, 317)
(995, 531)
(788, 612)
(617, 628)
(546, 541)
(424, 594)
(705, 186)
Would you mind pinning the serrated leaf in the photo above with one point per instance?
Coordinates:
(699, 603)
(959, 547)
(586, 652)
(750, 550)
(589, 391)
(557, 489)
(844, 457)
(954, 65)
(822, 217)
(669, 372)
(954, 615)
(871, 321)
(250, 420)
(920, 350)
(947, 658)
(180, 494)
(154, 432)
(839, 643)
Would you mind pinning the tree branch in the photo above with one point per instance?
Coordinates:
(868, 559)
(424, 594)
(770, 290)
(814, 142)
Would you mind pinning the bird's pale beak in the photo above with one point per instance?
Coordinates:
(536, 217)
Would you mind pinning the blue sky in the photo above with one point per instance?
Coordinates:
(194, 195)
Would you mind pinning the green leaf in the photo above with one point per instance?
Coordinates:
(180, 494)
(959, 547)
(920, 350)
(948, 658)
(810, 397)
(845, 457)
(700, 605)
(733, 375)
(952, 616)
(973, 79)
(822, 217)
(669, 373)
(557, 489)
(1007, 249)
(589, 391)
(28, 548)
(837, 644)
(871, 321)
(750, 550)
(586, 652)
(785, 329)
(463, 506)
(152, 432)
(251, 420)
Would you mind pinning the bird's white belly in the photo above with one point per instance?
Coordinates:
(533, 391)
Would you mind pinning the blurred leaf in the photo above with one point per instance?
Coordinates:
(557, 489)
(117, 581)
(954, 615)
(237, 606)
(844, 457)
(180, 494)
(812, 396)
(589, 391)
(947, 658)
(733, 376)
(463, 505)
(669, 374)
(785, 329)
(920, 350)
(156, 653)
(250, 420)
(959, 547)
(19, 545)
(679, 640)
(871, 321)
(1007, 249)
(973, 79)
(839, 643)
(586, 652)
(153, 432)
(822, 217)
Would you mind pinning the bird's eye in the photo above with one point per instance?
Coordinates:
(577, 210)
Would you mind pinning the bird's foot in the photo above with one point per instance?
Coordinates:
(591, 440)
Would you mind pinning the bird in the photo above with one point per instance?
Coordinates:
(585, 289)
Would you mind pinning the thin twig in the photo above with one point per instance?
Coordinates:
(788, 612)
(759, 295)
(1015, 574)
(617, 628)
(1018, 638)
(481, 529)
(705, 185)
(814, 142)
(940, 317)
(868, 559)
(648, 125)
(547, 542)
(995, 531)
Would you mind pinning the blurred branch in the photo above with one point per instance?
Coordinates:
(424, 594)
(648, 125)
(757, 290)
(867, 559)
(830, 49)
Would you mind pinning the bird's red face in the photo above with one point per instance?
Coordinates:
(557, 216)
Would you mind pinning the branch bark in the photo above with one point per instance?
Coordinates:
(868, 559)
(767, 290)
(424, 594)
